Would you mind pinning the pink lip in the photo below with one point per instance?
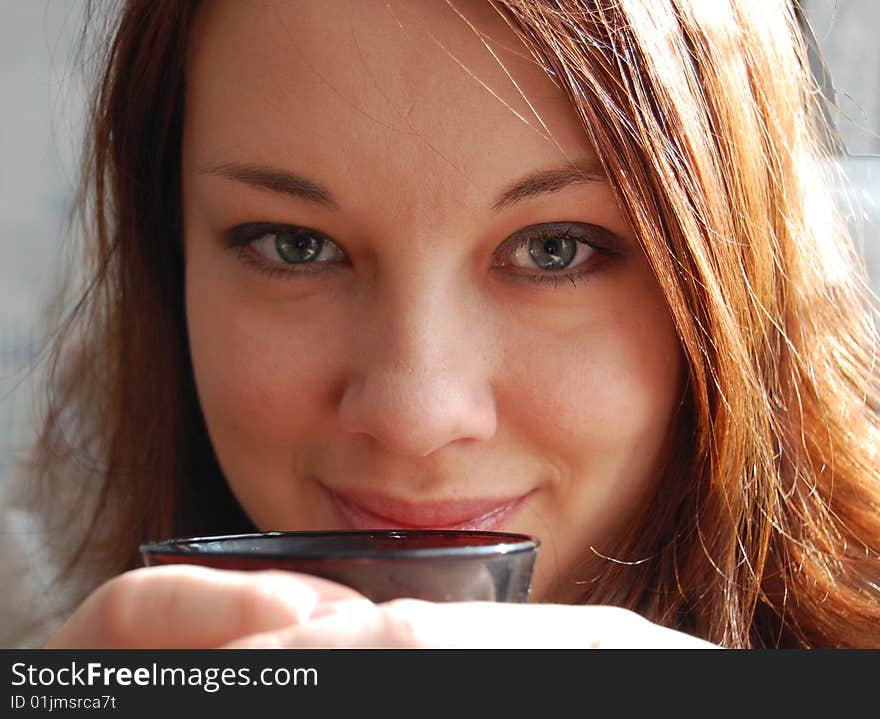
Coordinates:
(363, 510)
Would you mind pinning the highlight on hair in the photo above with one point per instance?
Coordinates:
(766, 527)
(705, 118)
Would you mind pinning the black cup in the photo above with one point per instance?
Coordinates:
(435, 565)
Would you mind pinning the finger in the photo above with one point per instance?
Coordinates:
(184, 606)
(351, 624)
(409, 623)
(488, 625)
(400, 624)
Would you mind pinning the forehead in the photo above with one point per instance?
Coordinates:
(406, 89)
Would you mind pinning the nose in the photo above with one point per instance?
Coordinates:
(422, 376)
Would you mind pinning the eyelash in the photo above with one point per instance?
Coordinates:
(601, 241)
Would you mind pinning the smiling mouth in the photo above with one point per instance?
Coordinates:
(361, 510)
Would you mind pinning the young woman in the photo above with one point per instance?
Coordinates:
(564, 268)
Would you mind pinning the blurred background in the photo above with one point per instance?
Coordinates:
(42, 123)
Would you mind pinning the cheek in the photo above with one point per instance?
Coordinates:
(599, 404)
(260, 382)
(598, 394)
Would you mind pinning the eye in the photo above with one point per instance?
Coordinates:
(551, 253)
(286, 245)
(554, 247)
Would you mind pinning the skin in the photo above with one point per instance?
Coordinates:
(419, 367)
(428, 361)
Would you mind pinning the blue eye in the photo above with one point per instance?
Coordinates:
(542, 253)
(554, 253)
(553, 247)
(551, 253)
(285, 245)
(298, 246)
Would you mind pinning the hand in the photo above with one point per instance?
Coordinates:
(182, 606)
(409, 623)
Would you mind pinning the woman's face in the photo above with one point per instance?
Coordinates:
(411, 297)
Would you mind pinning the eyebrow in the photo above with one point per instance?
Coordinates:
(288, 183)
(547, 181)
(274, 180)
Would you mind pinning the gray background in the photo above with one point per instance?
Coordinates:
(40, 125)
(42, 118)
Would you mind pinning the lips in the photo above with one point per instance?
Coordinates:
(362, 510)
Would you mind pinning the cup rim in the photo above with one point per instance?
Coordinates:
(508, 543)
